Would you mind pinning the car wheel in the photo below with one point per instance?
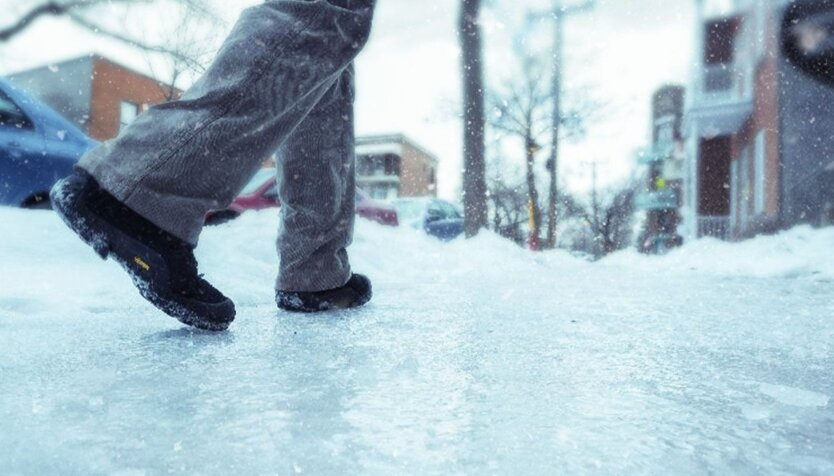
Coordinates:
(221, 217)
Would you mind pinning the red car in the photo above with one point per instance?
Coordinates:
(262, 192)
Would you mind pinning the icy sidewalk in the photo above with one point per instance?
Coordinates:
(475, 358)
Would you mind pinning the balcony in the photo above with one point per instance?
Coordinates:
(666, 199)
(720, 84)
(718, 79)
(722, 102)
(714, 227)
(377, 178)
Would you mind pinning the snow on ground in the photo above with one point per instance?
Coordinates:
(802, 251)
(474, 357)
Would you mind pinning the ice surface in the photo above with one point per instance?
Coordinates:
(795, 396)
(474, 357)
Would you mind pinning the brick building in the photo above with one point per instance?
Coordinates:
(759, 141)
(393, 166)
(97, 94)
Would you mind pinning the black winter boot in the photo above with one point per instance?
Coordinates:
(162, 266)
(355, 293)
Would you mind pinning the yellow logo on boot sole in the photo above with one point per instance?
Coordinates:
(141, 263)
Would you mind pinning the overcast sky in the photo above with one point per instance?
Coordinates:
(409, 82)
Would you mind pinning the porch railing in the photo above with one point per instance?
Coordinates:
(715, 227)
(718, 78)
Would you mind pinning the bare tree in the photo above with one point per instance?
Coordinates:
(474, 119)
(614, 224)
(509, 204)
(193, 36)
(54, 8)
(521, 108)
(508, 209)
(608, 222)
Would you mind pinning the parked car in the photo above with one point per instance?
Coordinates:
(37, 147)
(262, 192)
(436, 217)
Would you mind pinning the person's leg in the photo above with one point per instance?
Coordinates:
(180, 159)
(142, 197)
(317, 188)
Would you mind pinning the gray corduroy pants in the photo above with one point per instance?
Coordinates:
(283, 81)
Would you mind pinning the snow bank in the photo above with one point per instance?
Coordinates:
(802, 251)
(45, 267)
(394, 255)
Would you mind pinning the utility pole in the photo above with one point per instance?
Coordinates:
(560, 11)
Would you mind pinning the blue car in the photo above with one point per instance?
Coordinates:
(37, 147)
(436, 217)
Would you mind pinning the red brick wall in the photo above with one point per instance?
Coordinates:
(765, 117)
(416, 172)
(113, 84)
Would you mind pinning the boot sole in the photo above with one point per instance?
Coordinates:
(99, 235)
(292, 302)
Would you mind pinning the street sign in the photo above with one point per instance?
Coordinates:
(666, 199)
(652, 155)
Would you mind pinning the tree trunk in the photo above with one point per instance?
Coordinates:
(553, 163)
(533, 194)
(474, 119)
(552, 202)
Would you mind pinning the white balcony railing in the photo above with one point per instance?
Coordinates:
(714, 226)
(718, 79)
(719, 85)
(377, 178)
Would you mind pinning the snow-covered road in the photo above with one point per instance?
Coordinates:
(475, 357)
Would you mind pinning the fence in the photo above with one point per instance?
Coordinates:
(715, 227)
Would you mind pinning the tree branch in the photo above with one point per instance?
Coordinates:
(81, 21)
(52, 8)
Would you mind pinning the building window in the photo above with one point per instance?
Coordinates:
(392, 165)
(370, 165)
(665, 130)
(363, 165)
(381, 192)
(127, 113)
(761, 173)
